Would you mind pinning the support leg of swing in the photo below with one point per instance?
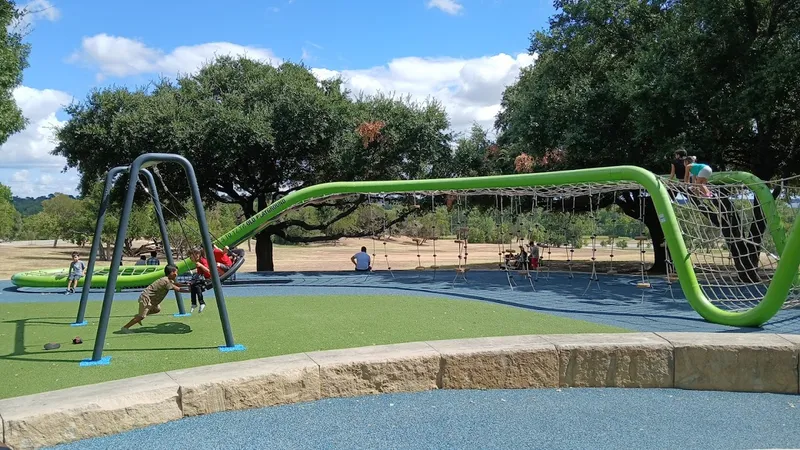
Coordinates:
(530, 278)
(460, 274)
(511, 282)
(593, 277)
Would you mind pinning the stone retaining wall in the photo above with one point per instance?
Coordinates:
(708, 361)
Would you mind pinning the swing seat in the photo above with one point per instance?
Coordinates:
(643, 285)
(458, 241)
(419, 268)
(672, 278)
(208, 285)
(462, 270)
(434, 267)
(641, 238)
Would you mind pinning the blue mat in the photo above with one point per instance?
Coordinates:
(616, 302)
(547, 418)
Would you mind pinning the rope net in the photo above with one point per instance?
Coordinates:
(733, 252)
(728, 236)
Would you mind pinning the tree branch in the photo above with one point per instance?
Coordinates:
(308, 227)
(307, 240)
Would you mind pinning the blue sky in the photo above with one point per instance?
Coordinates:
(463, 52)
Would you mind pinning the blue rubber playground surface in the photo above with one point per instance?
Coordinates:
(499, 419)
(615, 300)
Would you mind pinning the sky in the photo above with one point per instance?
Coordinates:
(462, 52)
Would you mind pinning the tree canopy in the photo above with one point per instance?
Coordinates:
(13, 60)
(254, 133)
(627, 82)
(9, 217)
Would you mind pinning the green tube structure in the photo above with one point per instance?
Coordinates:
(653, 184)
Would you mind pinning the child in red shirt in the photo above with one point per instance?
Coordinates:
(223, 261)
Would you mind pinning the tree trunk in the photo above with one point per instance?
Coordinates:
(659, 251)
(264, 256)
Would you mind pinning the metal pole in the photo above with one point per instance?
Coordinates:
(96, 242)
(138, 164)
(162, 225)
(113, 273)
(207, 244)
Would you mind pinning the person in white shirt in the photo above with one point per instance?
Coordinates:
(362, 260)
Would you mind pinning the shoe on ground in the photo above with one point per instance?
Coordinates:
(202, 307)
(191, 310)
(124, 330)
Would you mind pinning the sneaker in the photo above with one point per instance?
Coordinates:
(124, 330)
(192, 309)
(66, 292)
(202, 307)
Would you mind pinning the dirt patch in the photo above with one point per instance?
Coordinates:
(401, 253)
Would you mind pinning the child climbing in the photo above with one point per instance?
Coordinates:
(700, 173)
(678, 169)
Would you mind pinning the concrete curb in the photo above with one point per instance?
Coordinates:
(707, 361)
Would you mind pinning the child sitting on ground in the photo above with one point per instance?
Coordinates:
(152, 296)
(76, 268)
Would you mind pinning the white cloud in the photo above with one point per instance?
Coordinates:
(470, 89)
(26, 155)
(21, 176)
(451, 7)
(121, 57)
(32, 146)
(34, 11)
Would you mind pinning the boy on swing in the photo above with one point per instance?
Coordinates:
(152, 296)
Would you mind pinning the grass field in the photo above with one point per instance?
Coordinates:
(267, 326)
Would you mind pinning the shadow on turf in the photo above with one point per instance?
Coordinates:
(161, 328)
(20, 353)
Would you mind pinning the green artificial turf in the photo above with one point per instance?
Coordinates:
(267, 326)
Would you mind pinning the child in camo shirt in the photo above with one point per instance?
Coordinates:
(152, 296)
(76, 268)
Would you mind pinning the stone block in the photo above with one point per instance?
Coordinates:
(512, 362)
(410, 367)
(641, 360)
(66, 415)
(247, 384)
(745, 362)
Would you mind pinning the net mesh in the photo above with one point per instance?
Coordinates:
(732, 250)
(728, 237)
